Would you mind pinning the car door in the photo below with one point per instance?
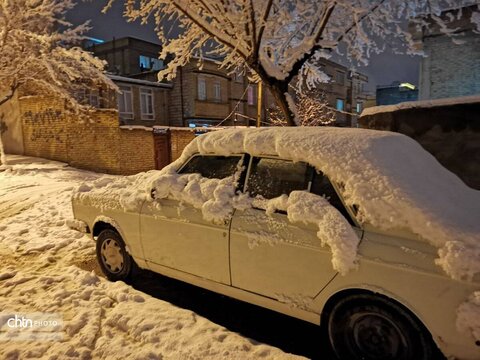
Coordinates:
(177, 236)
(269, 254)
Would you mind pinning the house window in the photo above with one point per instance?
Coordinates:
(147, 63)
(157, 64)
(94, 100)
(144, 62)
(217, 91)
(359, 108)
(340, 77)
(340, 104)
(202, 89)
(124, 100)
(146, 104)
(251, 95)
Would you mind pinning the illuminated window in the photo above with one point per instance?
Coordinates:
(149, 63)
(340, 104)
(359, 108)
(144, 62)
(157, 64)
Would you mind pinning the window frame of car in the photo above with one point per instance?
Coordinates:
(241, 161)
(246, 161)
(335, 186)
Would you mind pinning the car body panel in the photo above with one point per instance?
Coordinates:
(177, 236)
(273, 257)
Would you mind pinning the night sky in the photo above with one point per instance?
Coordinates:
(383, 69)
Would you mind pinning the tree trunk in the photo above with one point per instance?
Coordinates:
(278, 91)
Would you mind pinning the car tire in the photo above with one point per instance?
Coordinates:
(112, 256)
(369, 327)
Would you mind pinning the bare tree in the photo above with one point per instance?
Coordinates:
(37, 49)
(277, 40)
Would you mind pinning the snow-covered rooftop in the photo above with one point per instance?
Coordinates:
(423, 104)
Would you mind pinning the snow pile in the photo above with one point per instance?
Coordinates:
(116, 192)
(392, 180)
(215, 197)
(468, 316)
(333, 229)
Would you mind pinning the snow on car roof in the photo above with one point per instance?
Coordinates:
(394, 182)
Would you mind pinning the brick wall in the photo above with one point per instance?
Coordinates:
(450, 70)
(178, 140)
(44, 130)
(98, 145)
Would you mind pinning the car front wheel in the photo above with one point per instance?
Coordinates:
(369, 327)
(112, 256)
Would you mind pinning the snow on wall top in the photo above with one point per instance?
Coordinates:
(395, 183)
(423, 104)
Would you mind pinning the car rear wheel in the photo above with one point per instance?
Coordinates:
(370, 327)
(112, 256)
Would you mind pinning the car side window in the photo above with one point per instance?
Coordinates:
(212, 167)
(271, 178)
(322, 186)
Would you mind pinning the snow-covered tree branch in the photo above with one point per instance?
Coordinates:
(276, 40)
(37, 50)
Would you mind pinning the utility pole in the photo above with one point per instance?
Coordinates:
(259, 103)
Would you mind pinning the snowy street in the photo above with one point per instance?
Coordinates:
(48, 267)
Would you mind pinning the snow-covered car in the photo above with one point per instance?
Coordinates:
(361, 231)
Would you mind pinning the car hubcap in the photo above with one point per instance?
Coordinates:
(112, 256)
(377, 337)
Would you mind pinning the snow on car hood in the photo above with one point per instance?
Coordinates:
(392, 180)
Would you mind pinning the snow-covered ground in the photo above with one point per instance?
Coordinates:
(39, 255)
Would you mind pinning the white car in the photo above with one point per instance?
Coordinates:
(360, 231)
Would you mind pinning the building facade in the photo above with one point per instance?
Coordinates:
(451, 67)
(396, 93)
(345, 92)
(207, 95)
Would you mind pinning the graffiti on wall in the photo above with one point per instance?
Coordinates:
(43, 123)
